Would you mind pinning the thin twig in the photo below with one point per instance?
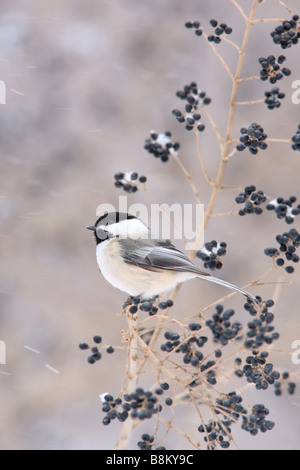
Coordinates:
(246, 79)
(268, 20)
(245, 103)
(239, 8)
(214, 126)
(203, 167)
(233, 152)
(284, 6)
(218, 55)
(188, 177)
(232, 43)
(282, 141)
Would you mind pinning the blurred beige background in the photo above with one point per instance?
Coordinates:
(86, 82)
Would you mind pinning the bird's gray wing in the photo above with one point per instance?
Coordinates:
(156, 255)
(161, 255)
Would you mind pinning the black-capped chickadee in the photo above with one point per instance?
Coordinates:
(142, 266)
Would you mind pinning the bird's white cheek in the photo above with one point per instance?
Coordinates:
(132, 228)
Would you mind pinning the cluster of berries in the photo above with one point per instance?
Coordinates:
(273, 98)
(146, 305)
(196, 26)
(111, 407)
(291, 386)
(253, 422)
(173, 341)
(287, 33)
(191, 354)
(260, 330)
(252, 138)
(261, 307)
(210, 374)
(160, 145)
(288, 243)
(187, 347)
(251, 200)
(190, 120)
(129, 181)
(140, 404)
(296, 140)
(221, 326)
(284, 208)
(271, 68)
(219, 30)
(257, 420)
(211, 254)
(216, 433)
(258, 371)
(231, 405)
(96, 354)
(193, 97)
(147, 443)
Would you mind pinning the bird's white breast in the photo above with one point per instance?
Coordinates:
(133, 279)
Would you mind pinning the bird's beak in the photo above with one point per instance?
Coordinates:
(92, 227)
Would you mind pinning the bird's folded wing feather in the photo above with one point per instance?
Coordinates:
(156, 255)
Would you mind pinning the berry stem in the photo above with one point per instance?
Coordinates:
(217, 53)
(191, 441)
(214, 126)
(284, 6)
(246, 79)
(232, 43)
(245, 103)
(203, 167)
(239, 8)
(283, 141)
(188, 177)
(268, 20)
(233, 152)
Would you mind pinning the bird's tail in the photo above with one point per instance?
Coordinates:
(229, 286)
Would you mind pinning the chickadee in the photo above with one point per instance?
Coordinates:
(141, 266)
